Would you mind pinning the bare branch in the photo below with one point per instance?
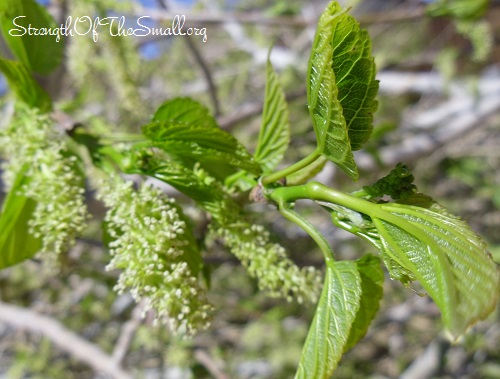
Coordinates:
(75, 345)
(212, 18)
(206, 361)
(127, 335)
(251, 110)
(206, 73)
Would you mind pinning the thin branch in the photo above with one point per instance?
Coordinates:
(251, 110)
(73, 344)
(395, 16)
(127, 335)
(207, 361)
(203, 65)
(206, 73)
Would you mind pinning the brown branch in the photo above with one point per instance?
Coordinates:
(75, 345)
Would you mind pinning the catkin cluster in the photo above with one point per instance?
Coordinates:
(55, 180)
(267, 261)
(156, 252)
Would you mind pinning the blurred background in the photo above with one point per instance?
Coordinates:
(439, 112)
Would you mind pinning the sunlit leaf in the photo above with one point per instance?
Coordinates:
(274, 133)
(16, 244)
(446, 256)
(333, 320)
(322, 95)
(183, 180)
(420, 240)
(340, 87)
(184, 128)
(185, 109)
(202, 144)
(40, 53)
(355, 71)
(24, 86)
(372, 279)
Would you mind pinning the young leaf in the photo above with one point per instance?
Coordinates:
(274, 133)
(341, 87)
(185, 109)
(207, 146)
(355, 71)
(440, 250)
(182, 127)
(355, 223)
(24, 86)
(16, 244)
(398, 184)
(322, 95)
(183, 179)
(196, 184)
(372, 279)
(40, 53)
(446, 256)
(335, 315)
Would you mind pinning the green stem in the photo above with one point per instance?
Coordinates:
(319, 192)
(275, 176)
(322, 243)
(360, 194)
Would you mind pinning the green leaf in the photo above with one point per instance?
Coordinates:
(209, 147)
(16, 244)
(335, 315)
(322, 95)
(372, 279)
(355, 71)
(187, 110)
(196, 184)
(446, 256)
(341, 87)
(183, 179)
(40, 53)
(355, 223)
(182, 127)
(398, 184)
(24, 86)
(274, 133)
(420, 240)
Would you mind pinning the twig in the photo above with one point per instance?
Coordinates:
(203, 65)
(75, 345)
(127, 335)
(395, 16)
(206, 73)
(251, 110)
(206, 361)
